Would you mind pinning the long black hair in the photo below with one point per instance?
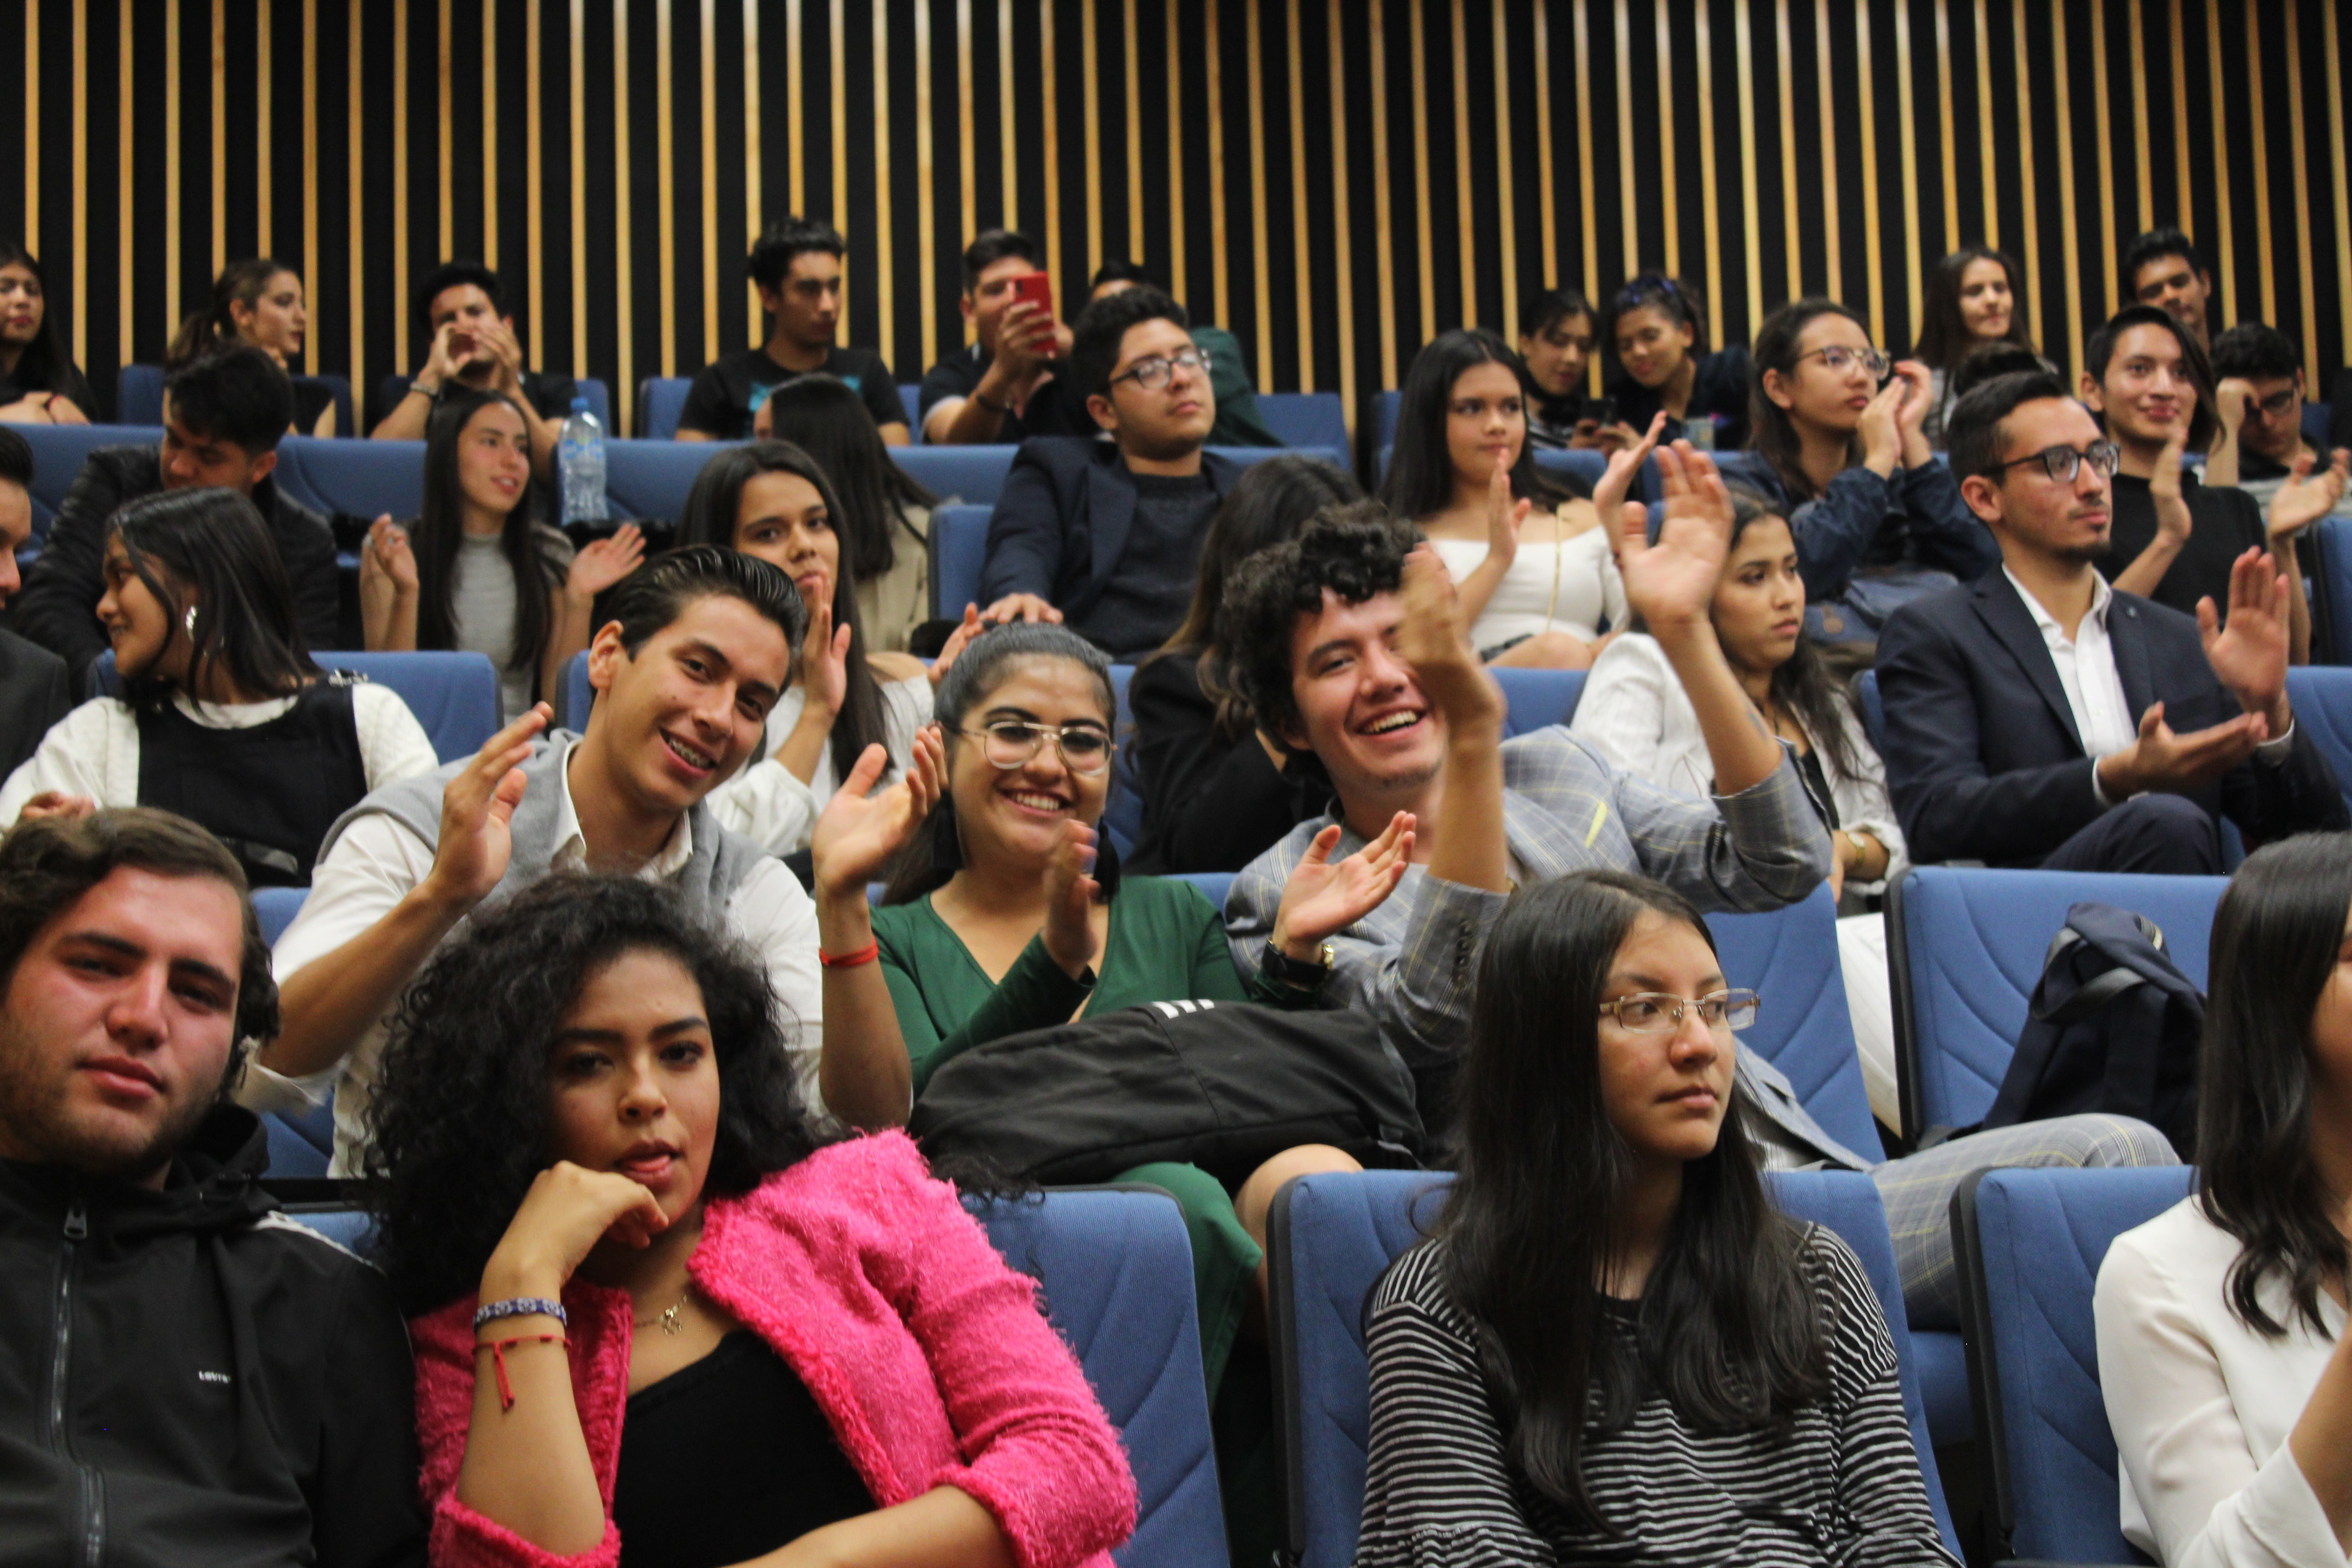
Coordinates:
(712, 507)
(822, 417)
(209, 552)
(1420, 480)
(1945, 340)
(2276, 936)
(1671, 297)
(240, 283)
(458, 1124)
(1802, 683)
(529, 547)
(1772, 432)
(46, 363)
(1726, 1327)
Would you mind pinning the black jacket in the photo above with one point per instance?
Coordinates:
(1209, 804)
(188, 1378)
(57, 607)
(1720, 386)
(34, 695)
(1982, 754)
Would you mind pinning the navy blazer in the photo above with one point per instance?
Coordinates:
(1062, 519)
(1981, 753)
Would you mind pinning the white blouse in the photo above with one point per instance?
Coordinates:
(1571, 586)
(2202, 1406)
(768, 806)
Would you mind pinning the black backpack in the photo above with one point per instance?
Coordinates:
(2112, 1027)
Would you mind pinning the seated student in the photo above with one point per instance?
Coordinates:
(223, 416)
(1380, 682)
(796, 267)
(258, 302)
(2038, 717)
(1004, 387)
(1218, 791)
(1239, 423)
(1555, 339)
(1688, 1375)
(1108, 533)
(471, 343)
(1656, 326)
(2222, 1351)
(223, 718)
(1878, 520)
(239, 1388)
(2161, 267)
(697, 650)
(479, 572)
(1975, 300)
(770, 499)
(1529, 558)
(2259, 394)
(39, 382)
(885, 517)
(659, 1316)
(33, 690)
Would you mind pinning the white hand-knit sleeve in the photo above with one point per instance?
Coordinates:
(393, 744)
(768, 806)
(92, 752)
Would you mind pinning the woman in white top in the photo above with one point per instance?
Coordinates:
(771, 499)
(224, 717)
(1633, 709)
(1530, 562)
(2222, 1354)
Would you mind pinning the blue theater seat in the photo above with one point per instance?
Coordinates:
(1213, 885)
(1873, 709)
(577, 694)
(972, 475)
(1122, 815)
(910, 398)
(2321, 696)
(649, 479)
(353, 479)
(138, 394)
(454, 696)
(2316, 416)
(1307, 418)
(1535, 698)
(1386, 406)
(2331, 576)
(959, 548)
(58, 453)
(661, 399)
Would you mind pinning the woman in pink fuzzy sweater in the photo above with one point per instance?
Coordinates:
(766, 1351)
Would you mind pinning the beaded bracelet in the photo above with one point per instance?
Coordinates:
(498, 1348)
(518, 1307)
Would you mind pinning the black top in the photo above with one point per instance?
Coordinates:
(67, 382)
(1147, 593)
(1053, 409)
(270, 791)
(726, 1459)
(727, 394)
(1208, 804)
(1553, 421)
(1719, 390)
(33, 696)
(2224, 522)
(312, 397)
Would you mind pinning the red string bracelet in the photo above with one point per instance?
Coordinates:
(867, 954)
(498, 1348)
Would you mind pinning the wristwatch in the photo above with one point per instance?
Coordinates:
(1295, 974)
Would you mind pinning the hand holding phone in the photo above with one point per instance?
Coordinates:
(1036, 288)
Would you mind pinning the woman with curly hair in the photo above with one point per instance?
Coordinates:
(645, 1294)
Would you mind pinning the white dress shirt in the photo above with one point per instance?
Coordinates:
(767, 804)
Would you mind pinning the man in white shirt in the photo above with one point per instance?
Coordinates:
(2039, 717)
(697, 652)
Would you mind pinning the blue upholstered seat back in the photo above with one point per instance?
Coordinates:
(2321, 695)
(58, 452)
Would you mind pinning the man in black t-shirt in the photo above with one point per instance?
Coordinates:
(473, 344)
(1003, 388)
(796, 267)
(2260, 393)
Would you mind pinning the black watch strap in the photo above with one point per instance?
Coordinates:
(1285, 970)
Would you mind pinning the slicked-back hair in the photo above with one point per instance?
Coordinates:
(2257, 351)
(657, 593)
(1946, 341)
(771, 261)
(990, 246)
(2204, 423)
(15, 457)
(1102, 327)
(2154, 246)
(1983, 363)
(1356, 550)
(238, 394)
(1420, 480)
(1973, 437)
(210, 548)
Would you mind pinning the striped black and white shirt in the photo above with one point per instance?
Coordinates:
(1842, 1486)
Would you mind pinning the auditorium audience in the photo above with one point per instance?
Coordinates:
(223, 416)
(1217, 789)
(1108, 533)
(659, 1315)
(2222, 1351)
(698, 648)
(796, 267)
(886, 516)
(1612, 1347)
(257, 303)
(224, 717)
(1530, 561)
(1975, 298)
(477, 571)
(189, 1376)
(1842, 452)
(2161, 267)
(33, 690)
(1556, 338)
(2040, 717)
(2258, 394)
(472, 342)
(1003, 386)
(1239, 423)
(1380, 682)
(1658, 327)
(39, 382)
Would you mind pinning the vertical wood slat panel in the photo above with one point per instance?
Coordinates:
(1466, 229)
(1546, 203)
(1343, 219)
(1261, 290)
(2329, 46)
(577, 39)
(32, 218)
(665, 176)
(707, 32)
(2107, 157)
(2060, 72)
(1302, 261)
(2218, 120)
(1508, 241)
(755, 135)
(624, 240)
(883, 253)
(2305, 294)
(1383, 230)
(81, 305)
(2031, 225)
(2261, 164)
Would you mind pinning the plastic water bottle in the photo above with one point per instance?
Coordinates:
(580, 463)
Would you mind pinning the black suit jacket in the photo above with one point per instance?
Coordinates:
(33, 696)
(1062, 520)
(1982, 758)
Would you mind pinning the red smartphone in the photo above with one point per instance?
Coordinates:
(1037, 289)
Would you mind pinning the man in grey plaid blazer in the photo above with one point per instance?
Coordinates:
(1377, 680)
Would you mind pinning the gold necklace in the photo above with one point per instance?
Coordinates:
(671, 1318)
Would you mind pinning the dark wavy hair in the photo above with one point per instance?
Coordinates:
(214, 327)
(1772, 432)
(1355, 551)
(458, 1124)
(1101, 328)
(2276, 938)
(2204, 423)
(822, 417)
(529, 547)
(712, 507)
(46, 361)
(774, 252)
(1727, 1326)
(210, 550)
(1420, 480)
(1946, 341)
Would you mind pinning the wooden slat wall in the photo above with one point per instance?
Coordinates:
(1334, 179)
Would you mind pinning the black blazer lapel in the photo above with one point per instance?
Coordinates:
(2128, 637)
(2004, 614)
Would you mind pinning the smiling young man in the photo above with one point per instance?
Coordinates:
(223, 416)
(697, 652)
(471, 343)
(1108, 532)
(190, 1379)
(2161, 268)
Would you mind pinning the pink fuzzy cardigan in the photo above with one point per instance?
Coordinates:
(925, 1350)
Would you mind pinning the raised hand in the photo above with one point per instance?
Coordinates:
(496, 341)
(1911, 417)
(1432, 639)
(56, 803)
(1504, 517)
(388, 556)
(1672, 583)
(824, 662)
(1624, 465)
(1324, 895)
(2173, 522)
(441, 362)
(2309, 495)
(1070, 889)
(2249, 654)
(477, 809)
(605, 562)
(568, 1210)
(1020, 608)
(860, 834)
(970, 628)
(2162, 760)
(1882, 428)
(2232, 395)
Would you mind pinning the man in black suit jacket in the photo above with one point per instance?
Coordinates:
(2038, 718)
(1107, 535)
(33, 694)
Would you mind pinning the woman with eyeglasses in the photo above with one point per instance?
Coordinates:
(1842, 452)
(1612, 1347)
(1659, 330)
